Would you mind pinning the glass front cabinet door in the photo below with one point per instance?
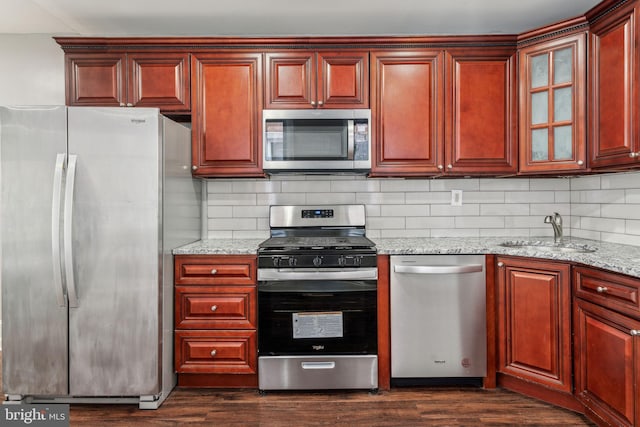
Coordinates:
(552, 113)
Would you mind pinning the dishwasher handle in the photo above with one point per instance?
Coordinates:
(437, 269)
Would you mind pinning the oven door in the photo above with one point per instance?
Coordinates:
(317, 317)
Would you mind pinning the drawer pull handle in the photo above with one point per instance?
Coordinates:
(601, 289)
(213, 352)
(214, 307)
(500, 264)
(634, 332)
(214, 271)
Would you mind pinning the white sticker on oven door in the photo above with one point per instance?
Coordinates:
(317, 325)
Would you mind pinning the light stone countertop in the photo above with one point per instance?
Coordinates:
(609, 256)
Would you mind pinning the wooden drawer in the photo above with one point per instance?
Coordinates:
(216, 307)
(615, 291)
(216, 352)
(215, 270)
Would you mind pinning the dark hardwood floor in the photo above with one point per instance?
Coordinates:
(398, 407)
(406, 407)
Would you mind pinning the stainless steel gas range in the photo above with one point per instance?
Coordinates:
(317, 300)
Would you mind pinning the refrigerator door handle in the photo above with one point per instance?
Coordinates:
(67, 230)
(58, 174)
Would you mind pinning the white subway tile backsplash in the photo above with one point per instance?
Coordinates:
(404, 185)
(614, 210)
(550, 184)
(448, 210)
(479, 222)
(471, 184)
(492, 184)
(331, 198)
(600, 207)
(529, 197)
(404, 210)
(585, 183)
(505, 209)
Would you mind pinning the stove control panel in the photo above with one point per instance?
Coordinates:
(317, 213)
(316, 261)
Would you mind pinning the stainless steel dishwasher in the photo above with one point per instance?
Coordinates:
(438, 319)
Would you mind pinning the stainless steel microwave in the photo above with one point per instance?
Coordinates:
(316, 141)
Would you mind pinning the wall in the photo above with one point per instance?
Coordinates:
(32, 70)
(603, 207)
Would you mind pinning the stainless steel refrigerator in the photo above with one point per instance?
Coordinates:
(93, 200)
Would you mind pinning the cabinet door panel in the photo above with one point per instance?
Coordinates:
(290, 80)
(534, 322)
(159, 81)
(552, 105)
(614, 60)
(606, 355)
(480, 116)
(343, 79)
(95, 79)
(407, 101)
(226, 114)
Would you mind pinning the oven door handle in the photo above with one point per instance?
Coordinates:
(275, 274)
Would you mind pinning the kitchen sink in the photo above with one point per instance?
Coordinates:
(548, 246)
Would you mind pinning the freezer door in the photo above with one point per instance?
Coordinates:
(114, 327)
(34, 323)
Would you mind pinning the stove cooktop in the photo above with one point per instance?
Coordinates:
(317, 242)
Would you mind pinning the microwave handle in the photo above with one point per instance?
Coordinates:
(350, 139)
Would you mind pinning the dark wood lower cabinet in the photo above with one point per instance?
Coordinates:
(534, 328)
(607, 364)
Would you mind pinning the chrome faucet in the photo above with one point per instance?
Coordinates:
(556, 223)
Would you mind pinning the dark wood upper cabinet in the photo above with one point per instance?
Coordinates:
(614, 64)
(317, 79)
(552, 105)
(159, 79)
(407, 101)
(226, 114)
(480, 112)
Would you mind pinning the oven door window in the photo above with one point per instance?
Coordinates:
(309, 139)
(338, 320)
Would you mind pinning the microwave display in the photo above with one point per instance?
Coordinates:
(315, 143)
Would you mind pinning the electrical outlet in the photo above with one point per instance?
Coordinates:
(456, 197)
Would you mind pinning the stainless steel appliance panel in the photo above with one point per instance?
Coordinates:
(438, 316)
(116, 249)
(34, 311)
(318, 372)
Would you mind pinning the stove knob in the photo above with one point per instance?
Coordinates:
(342, 261)
(293, 261)
(317, 261)
(357, 260)
(275, 260)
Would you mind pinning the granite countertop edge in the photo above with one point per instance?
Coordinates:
(613, 257)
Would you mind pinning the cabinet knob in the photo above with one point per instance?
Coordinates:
(449, 166)
(214, 271)
(580, 163)
(634, 332)
(213, 352)
(129, 104)
(122, 105)
(634, 155)
(313, 103)
(194, 167)
(440, 167)
(320, 103)
(214, 307)
(500, 264)
(601, 289)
